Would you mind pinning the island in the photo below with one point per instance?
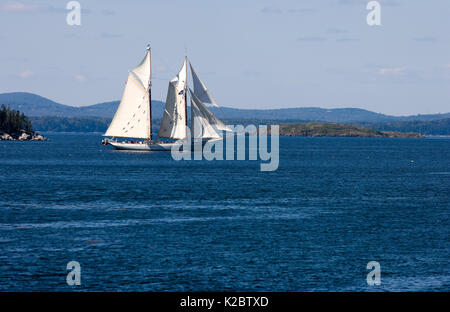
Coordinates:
(15, 126)
(324, 129)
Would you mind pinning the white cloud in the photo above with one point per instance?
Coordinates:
(161, 68)
(110, 35)
(21, 7)
(341, 40)
(15, 6)
(364, 2)
(304, 10)
(271, 10)
(426, 39)
(334, 30)
(391, 71)
(312, 39)
(80, 78)
(26, 74)
(108, 12)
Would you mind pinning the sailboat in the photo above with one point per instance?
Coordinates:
(133, 118)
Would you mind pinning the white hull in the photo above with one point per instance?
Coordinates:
(144, 146)
(153, 146)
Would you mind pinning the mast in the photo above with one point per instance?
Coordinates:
(185, 98)
(150, 95)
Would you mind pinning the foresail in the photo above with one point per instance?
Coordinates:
(132, 118)
(204, 124)
(200, 89)
(173, 124)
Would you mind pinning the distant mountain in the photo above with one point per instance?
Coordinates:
(105, 110)
(303, 113)
(36, 106)
(47, 115)
(108, 109)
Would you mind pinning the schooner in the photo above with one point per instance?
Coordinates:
(133, 118)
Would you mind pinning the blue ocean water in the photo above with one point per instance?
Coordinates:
(144, 222)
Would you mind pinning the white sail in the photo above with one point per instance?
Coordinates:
(204, 124)
(200, 89)
(132, 118)
(173, 124)
(143, 70)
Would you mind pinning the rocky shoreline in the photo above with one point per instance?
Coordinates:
(21, 136)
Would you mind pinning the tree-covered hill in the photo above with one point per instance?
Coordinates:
(36, 106)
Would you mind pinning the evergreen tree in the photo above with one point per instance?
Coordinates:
(13, 121)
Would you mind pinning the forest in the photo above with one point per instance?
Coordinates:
(13, 121)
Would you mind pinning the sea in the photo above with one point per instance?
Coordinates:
(142, 221)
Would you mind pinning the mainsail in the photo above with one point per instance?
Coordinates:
(174, 122)
(200, 89)
(204, 124)
(132, 118)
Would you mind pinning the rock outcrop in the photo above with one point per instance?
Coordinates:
(21, 136)
(38, 137)
(24, 137)
(6, 137)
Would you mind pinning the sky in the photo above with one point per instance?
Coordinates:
(257, 54)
